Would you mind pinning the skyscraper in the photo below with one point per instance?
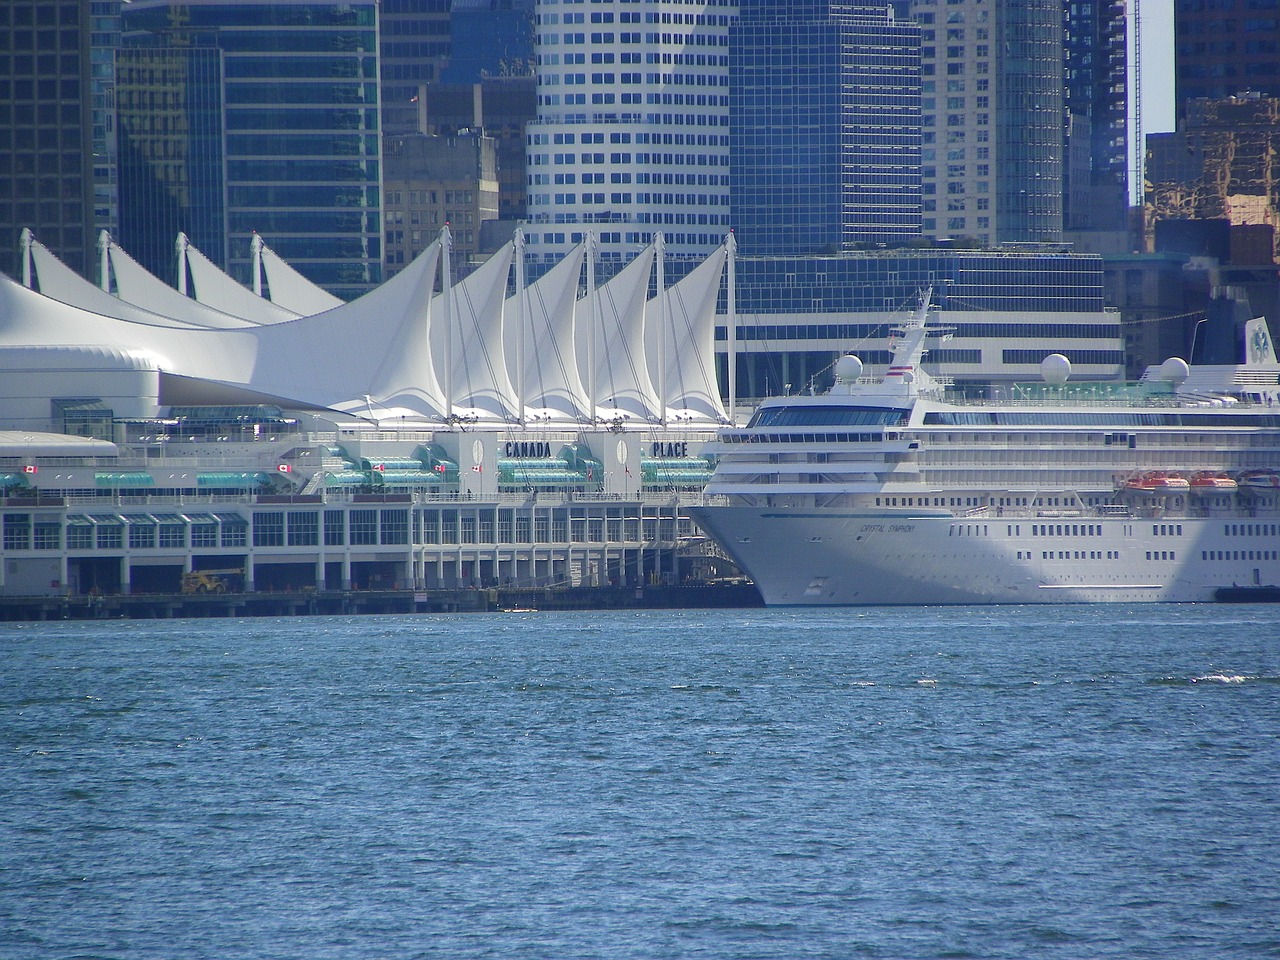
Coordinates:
(46, 181)
(993, 112)
(414, 50)
(632, 132)
(824, 126)
(104, 38)
(1097, 124)
(271, 108)
(1225, 48)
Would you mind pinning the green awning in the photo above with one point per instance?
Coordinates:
(345, 478)
(105, 520)
(407, 478)
(231, 519)
(231, 479)
(138, 520)
(134, 478)
(77, 520)
(12, 480)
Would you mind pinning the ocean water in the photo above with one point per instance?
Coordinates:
(1043, 782)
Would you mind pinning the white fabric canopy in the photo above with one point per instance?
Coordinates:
(374, 347)
(479, 376)
(689, 351)
(134, 284)
(56, 280)
(623, 385)
(287, 288)
(211, 286)
(552, 382)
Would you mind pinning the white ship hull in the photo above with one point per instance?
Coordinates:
(830, 557)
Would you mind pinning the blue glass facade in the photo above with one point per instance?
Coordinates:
(169, 110)
(297, 155)
(46, 181)
(962, 281)
(825, 134)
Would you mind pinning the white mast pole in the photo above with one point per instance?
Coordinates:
(256, 246)
(182, 264)
(660, 250)
(24, 239)
(104, 263)
(591, 325)
(521, 401)
(446, 288)
(731, 323)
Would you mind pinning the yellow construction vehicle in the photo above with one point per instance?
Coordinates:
(213, 581)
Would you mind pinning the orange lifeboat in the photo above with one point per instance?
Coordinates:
(1209, 481)
(1158, 481)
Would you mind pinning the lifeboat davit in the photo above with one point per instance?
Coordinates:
(1209, 481)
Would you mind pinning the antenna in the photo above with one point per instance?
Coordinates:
(1138, 188)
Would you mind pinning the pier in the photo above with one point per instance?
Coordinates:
(364, 602)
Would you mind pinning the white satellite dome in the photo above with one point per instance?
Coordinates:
(848, 368)
(1055, 369)
(1175, 370)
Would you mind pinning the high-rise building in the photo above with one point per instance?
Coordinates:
(1097, 124)
(46, 178)
(1223, 49)
(269, 108)
(431, 181)
(104, 38)
(415, 48)
(496, 106)
(824, 126)
(993, 111)
(632, 133)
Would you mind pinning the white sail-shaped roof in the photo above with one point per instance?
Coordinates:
(623, 385)
(479, 379)
(689, 315)
(374, 350)
(211, 286)
(56, 280)
(135, 285)
(371, 354)
(552, 381)
(28, 318)
(289, 289)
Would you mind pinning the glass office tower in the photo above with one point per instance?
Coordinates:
(824, 105)
(293, 149)
(993, 108)
(46, 171)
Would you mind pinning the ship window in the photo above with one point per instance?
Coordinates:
(800, 415)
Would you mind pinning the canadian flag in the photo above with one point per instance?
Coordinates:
(284, 467)
(30, 468)
(478, 468)
(380, 467)
(441, 468)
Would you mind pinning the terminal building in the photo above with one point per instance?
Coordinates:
(415, 438)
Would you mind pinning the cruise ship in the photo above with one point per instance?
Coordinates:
(903, 489)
